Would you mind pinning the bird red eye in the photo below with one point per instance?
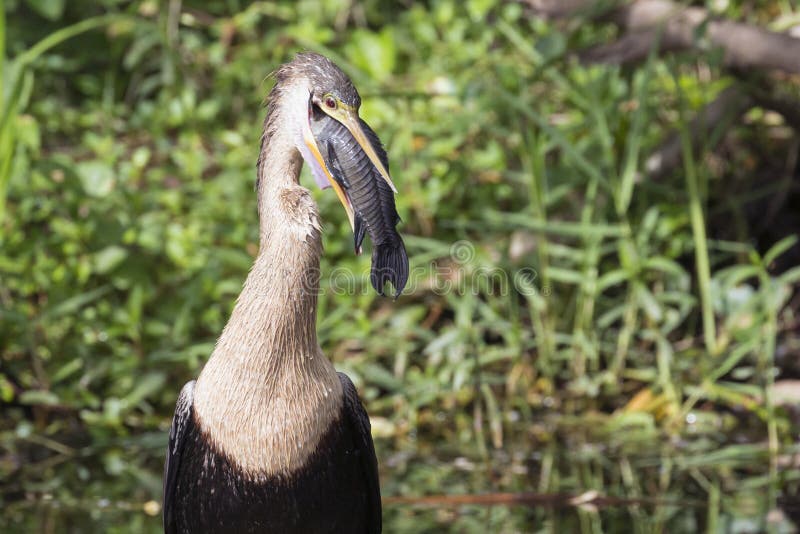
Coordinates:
(330, 102)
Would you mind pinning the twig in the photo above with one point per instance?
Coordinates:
(533, 499)
(731, 104)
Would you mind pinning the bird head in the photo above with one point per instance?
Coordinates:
(320, 87)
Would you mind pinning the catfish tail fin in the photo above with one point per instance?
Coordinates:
(389, 264)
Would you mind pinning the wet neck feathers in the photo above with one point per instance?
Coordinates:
(268, 394)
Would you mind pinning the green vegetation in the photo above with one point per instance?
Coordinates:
(575, 326)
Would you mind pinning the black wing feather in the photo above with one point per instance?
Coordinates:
(177, 435)
(359, 425)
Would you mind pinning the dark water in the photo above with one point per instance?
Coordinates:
(604, 475)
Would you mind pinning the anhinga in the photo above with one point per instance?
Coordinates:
(270, 438)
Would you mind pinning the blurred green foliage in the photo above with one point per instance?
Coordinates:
(636, 355)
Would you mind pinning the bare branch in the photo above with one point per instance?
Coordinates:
(720, 114)
(743, 45)
(558, 8)
(630, 48)
(731, 104)
(668, 26)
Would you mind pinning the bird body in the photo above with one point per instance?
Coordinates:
(270, 438)
(326, 492)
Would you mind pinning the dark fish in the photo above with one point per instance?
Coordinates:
(370, 196)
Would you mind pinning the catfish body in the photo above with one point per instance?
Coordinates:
(370, 197)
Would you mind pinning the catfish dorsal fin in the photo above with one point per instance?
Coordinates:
(359, 230)
(336, 170)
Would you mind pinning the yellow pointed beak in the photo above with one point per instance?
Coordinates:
(311, 143)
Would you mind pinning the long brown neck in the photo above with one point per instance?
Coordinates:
(268, 394)
(275, 315)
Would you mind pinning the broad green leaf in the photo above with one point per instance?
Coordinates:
(49, 9)
(96, 177)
